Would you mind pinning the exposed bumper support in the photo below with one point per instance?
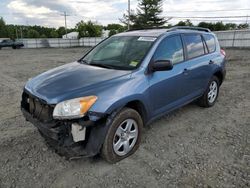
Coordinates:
(58, 135)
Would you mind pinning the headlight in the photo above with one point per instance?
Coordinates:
(74, 108)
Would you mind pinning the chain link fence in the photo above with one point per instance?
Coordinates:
(236, 38)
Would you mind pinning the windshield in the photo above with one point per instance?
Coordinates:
(120, 52)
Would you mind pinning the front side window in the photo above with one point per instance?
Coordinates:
(171, 49)
(120, 52)
(210, 41)
(194, 45)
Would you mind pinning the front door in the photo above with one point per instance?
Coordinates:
(168, 89)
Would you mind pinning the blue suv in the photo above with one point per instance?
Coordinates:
(100, 103)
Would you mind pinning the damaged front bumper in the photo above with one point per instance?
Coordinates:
(59, 133)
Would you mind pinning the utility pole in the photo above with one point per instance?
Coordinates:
(21, 32)
(128, 14)
(65, 22)
(16, 33)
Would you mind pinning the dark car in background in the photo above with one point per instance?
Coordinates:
(100, 103)
(11, 43)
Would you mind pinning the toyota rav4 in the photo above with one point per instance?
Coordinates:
(100, 103)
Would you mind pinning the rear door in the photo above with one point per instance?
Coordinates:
(213, 54)
(197, 59)
(169, 89)
(9, 43)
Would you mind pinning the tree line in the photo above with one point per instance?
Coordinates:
(85, 29)
(218, 26)
(147, 15)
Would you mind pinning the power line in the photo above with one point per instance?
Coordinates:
(208, 17)
(216, 20)
(232, 10)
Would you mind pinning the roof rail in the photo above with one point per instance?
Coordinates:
(147, 28)
(191, 28)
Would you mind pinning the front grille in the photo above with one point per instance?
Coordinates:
(37, 108)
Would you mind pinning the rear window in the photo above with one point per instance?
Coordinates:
(194, 45)
(210, 41)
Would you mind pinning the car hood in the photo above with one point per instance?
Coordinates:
(70, 81)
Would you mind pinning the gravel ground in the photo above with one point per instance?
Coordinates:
(191, 147)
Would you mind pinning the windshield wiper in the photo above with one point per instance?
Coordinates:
(96, 64)
(82, 61)
(107, 66)
(102, 65)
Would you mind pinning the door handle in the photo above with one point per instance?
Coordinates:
(185, 71)
(211, 62)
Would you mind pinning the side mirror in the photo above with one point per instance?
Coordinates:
(161, 65)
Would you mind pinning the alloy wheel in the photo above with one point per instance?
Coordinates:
(213, 92)
(125, 137)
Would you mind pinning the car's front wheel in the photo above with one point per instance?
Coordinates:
(211, 94)
(123, 137)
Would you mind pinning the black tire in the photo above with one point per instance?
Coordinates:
(107, 151)
(203, 101)
(14, 47)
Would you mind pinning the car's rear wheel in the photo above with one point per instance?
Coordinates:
(123, 137)
(211, 94)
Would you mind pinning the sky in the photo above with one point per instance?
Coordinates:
(50, 13)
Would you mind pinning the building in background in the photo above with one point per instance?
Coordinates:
(105, 33)
(1, 39)
(72, 35)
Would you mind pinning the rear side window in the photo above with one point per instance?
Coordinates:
(210, 41)
(195, 47)
(170, 48)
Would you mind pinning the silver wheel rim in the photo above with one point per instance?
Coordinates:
(213, 92)
(125, 137)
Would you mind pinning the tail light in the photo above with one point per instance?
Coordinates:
(223, 52)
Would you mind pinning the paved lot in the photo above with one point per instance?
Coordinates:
(191, 147)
